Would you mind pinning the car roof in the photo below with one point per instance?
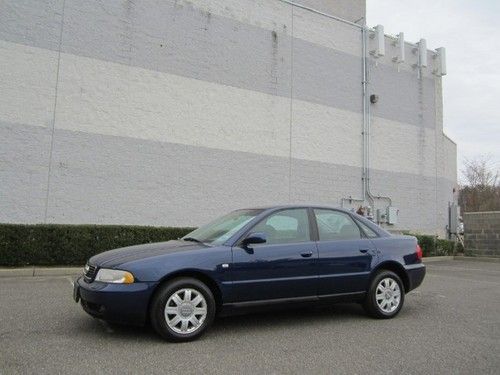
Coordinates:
(267, 210)
(297, 205)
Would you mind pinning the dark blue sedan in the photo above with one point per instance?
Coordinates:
(249, 259)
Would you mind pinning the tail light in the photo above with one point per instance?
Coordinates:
(419, 252)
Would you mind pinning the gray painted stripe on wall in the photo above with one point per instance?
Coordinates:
(403, 96)
(412, 194)
(186, 41)
(35, 23)
(108, 179)
(325, 76)
(180, 40)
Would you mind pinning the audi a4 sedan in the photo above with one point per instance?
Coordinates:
(249, 259)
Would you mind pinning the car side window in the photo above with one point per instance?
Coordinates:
(335, 225)
(370, 233)
(287, 226)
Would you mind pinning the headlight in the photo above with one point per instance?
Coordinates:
(114, 276)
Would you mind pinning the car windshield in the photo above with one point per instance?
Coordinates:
(221, 229)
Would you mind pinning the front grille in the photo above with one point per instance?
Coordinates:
(89, 273)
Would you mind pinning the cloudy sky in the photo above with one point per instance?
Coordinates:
(470, 31)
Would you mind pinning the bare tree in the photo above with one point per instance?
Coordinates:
(480, 190)
(479, 173)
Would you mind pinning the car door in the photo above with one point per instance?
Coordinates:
(283, 267)
(346, 255)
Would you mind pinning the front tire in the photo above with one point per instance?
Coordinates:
(182, 310)
(385, 296)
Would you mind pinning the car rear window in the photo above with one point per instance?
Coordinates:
(335, 225)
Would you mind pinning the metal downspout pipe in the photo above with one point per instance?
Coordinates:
(367, 127)
(364, 174)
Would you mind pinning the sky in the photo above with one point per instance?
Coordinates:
(470, 32)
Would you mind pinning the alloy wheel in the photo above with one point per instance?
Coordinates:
(185, 311)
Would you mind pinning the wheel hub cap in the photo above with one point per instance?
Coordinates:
(388, 295)
(185, 311)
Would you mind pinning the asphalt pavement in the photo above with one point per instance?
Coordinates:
(450, 325)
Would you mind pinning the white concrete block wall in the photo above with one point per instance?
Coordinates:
(354, 11)
(164, 107)
(325, 134)
(320, 30)
(449, 159)
(28, 81)
(169, 113)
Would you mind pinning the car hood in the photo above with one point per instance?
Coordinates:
(116, 257)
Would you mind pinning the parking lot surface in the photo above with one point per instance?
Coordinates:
(451, 324)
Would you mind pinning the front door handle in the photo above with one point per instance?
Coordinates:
(364, 251)
(306, 254)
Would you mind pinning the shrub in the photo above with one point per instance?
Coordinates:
(54, 244)
(433, 246)
(58, 245)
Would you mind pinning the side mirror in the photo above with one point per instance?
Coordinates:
(254, 238)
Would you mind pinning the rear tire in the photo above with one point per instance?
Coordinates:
(385, 296)
(182, 310)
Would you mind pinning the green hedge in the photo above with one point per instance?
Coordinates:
(433, 246)
(57, 245)
(53, 244)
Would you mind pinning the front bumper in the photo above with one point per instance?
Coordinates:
(416, 274)
(120, 303)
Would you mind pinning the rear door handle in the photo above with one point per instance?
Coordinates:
(364, 251)
(306, 254)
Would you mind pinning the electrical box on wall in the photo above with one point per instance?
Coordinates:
(392, 215)
(381, 216)
(453, 215)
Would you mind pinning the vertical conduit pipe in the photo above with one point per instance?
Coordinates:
(364, 32)
(367, 126)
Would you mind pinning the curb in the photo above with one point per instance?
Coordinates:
(477, 259)
(437, 259)
(40, 271)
